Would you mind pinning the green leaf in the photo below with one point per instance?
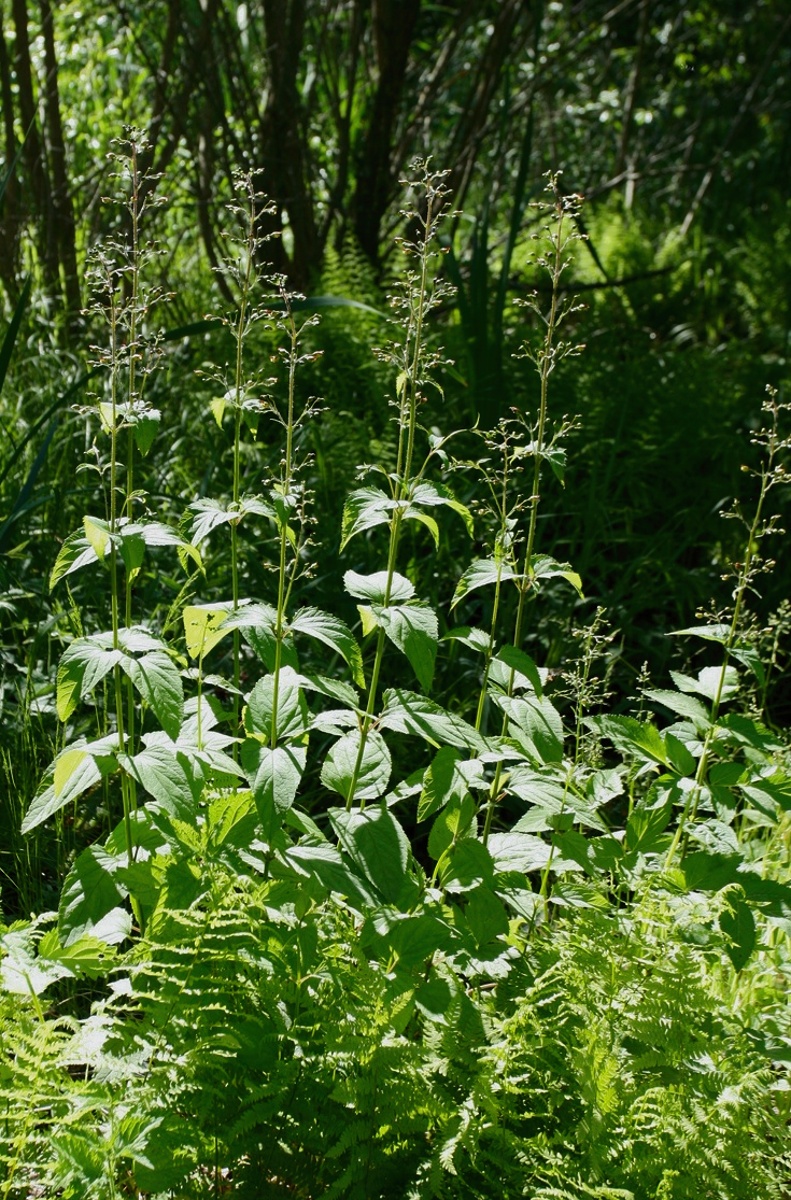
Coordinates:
(364, 509)
(543, 566)
(22, 971)
(466, 865)
(412, 513)
(275, 775)
(91, 898)
(146, 430)
(168, 778)
(258, 623)
(292, 712)
(475, 639)
(76, 769)
(519, 852)
(485, 916)
(683, 705)
(738, 924)
(454, 822)
(535, 724)
(437, 494)
(409, 712)
(526, 673)
(325, 863)
(445, 779)
(158, 680)
(83, 665)
(204, 627)
(333, 633)
(75, 553)
(377, 844)
(414, 630)
(337, 772)
(374, 587)
(711, 633)
(97, 534)
(481, 573)
(87, 957)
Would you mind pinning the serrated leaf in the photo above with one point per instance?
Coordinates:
(717, 632)
(76, 769)
(374, 587)
(333, 632)
(683, 705)
(413, 628)
(258, 623)
(158, 681)
(519, 852)
(485, 916)
(376, 843)
(454, 822)
(217, 407)
(167, 777)
(466, 865)
(90, 894)
(535, 724)
(97, 534)
(438, 494)
(292, 718)
(87, 957)
(475, 639)
(204, 627)
(526, 673)
(738, 924)
(481, 573)
(337, 772)
(275, 776)
(83, 665)
(408, 712)
(543, 566)
(364, 509)
(325, 863)
(443, 781)
(75, 553)
(411, 512)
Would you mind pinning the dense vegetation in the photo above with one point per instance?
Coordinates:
(394, 770)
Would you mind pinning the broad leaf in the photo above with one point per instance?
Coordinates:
(91, 894)
(168, 778)
(683, 705)
(204, 627)
(274, 776)
(333, 633)
(326, 864)
(158, 680)
(437, 494)
(481, 573)
(374, 587)
(75, 771)
(446, 778)
(738, 924)
(408, 712)
(83, 665)
(364, 509)
(519, 852)
(373, 776)
(542, 566)
(535, 724)
(414, 630)
(377, 844)
(292, 712)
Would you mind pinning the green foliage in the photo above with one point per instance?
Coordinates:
(351, 938)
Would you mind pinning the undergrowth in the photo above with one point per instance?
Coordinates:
(326, 929)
